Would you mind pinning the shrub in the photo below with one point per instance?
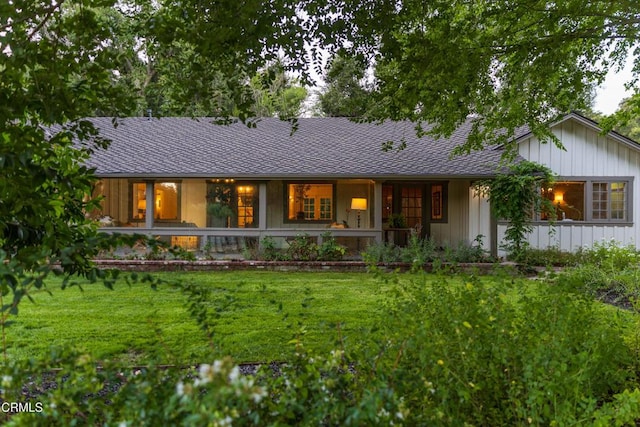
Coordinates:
(383, 252)
(465, 252)
(303, 248)
(463, 354)
(269, 251)
(607, 271)
(610, 255)
(418, 251)
(551, 256)
(330, 250)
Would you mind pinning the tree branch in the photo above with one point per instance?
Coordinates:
(48, 14)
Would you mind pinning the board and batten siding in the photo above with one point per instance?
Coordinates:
(479, 218)
(587, 154)
(456, 228)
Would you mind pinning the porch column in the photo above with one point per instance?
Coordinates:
(151, 207)
(377, 209)
(262, 205)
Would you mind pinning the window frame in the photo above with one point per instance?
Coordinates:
(131, 188)
(444, 200)
(589, 182)
(285, 202)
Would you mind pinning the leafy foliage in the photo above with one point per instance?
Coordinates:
(345, 94)
(303, 248)
(626, 120)
(498, 355)
(420, 251)
(549, 358)
(607, 271)
(515, 197)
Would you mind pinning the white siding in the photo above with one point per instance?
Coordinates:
(586, 153)
(479, 218)
(456, 228)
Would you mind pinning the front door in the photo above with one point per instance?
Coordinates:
(411, 205)
(420, 203)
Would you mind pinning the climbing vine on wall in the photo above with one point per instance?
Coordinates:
(515, 196)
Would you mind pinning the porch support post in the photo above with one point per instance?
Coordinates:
(262, 205)
(151, 205)
(377, 209)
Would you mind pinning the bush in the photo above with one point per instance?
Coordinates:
(463, 354)
(609, 255)
(269, 251)
(607, 271)
(383, 252)
(464, 252)
(418, 251)
(330, 250)
(303, 248)
(551, 256)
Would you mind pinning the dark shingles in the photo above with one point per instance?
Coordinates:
(321, 147)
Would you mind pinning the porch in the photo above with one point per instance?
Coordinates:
(224, 217)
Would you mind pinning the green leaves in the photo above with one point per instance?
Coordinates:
(515, 197)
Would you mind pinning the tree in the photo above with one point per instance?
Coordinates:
(276, 94)
(504, 63)
(626, 119)
(344, 94)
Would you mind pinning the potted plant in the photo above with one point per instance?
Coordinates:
(397, 221)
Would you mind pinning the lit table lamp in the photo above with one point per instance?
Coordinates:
(358, 204)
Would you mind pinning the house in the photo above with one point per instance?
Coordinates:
(595, 191)
(225, 187)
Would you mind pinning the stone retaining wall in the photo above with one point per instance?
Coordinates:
(235, 265)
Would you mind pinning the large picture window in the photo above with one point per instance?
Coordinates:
(166, 201)
(310, 202)
(592, 200)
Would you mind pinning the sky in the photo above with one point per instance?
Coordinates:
(612, 91)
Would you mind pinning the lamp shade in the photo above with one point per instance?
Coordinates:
(359, 204)
(142, 204)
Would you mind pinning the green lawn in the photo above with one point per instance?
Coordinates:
(255, 315)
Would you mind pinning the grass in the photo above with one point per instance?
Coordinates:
(255, 316)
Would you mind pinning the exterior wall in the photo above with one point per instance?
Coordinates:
(194, 202)
(456, 229)
(480, 220)
(587, 154)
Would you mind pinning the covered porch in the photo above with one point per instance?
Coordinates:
(225, 217)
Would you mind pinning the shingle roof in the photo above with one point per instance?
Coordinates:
(319, 148)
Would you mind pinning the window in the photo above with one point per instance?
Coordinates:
(415, 202)
(310, 202)
(166, 201)
(437, 211)
(232, 204)
(595, 200)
